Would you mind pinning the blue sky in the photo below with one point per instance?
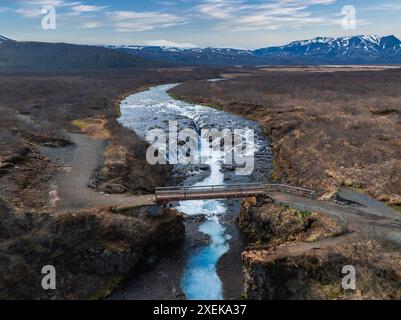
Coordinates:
(218, 23)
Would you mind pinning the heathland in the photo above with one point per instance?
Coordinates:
(337, 132)
(329, 130)
(73, 225)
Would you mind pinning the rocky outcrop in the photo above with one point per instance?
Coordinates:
(280, 262)
(268, 223)
(26, 181)
(125, 169)
(316, 273)
(8, 161)
(301, 255)
(91, 251)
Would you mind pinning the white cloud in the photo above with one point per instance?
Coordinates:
(240, 15)
(32, 8)
(385, 7)
(78, 9)
(167, 43)
(133, 21)
(29, 12)
(74, 13)
(44, 2)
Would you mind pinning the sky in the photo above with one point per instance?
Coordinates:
(196, 23)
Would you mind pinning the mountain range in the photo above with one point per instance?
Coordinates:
(361, 49)
(42, 56)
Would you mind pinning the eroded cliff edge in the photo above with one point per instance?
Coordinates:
(92, 250)
(301, 254)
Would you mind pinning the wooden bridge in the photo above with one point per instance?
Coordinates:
(169, 194)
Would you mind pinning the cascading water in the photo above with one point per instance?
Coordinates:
(200, 280)
(154, 108)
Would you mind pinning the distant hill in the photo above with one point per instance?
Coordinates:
(346, 50)
(4, 39)
(198, 56)
(38, 56)
(193, 56)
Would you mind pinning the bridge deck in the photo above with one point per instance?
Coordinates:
(226, 191)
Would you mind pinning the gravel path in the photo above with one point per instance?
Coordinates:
(366, 220)
(79, 161)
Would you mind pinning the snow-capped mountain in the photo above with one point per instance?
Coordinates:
(4, 39)
(189, 55)
(354, 47)
(321, 50)
(362, 49)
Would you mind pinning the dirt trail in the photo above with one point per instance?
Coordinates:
(359, 220)
(266, 256)
(80, 160)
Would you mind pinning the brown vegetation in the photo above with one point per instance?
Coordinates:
(300, 255)
(38, 109)
(327, 129)
(268, 223)
(92, 249)
(316, 274)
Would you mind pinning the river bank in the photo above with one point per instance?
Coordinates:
(49, 213)
(327, 128)
(204, 273)
(297, 250)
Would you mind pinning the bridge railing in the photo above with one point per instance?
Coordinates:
(212, 187)
(226, 191)
(209, 192)
(291, 190)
